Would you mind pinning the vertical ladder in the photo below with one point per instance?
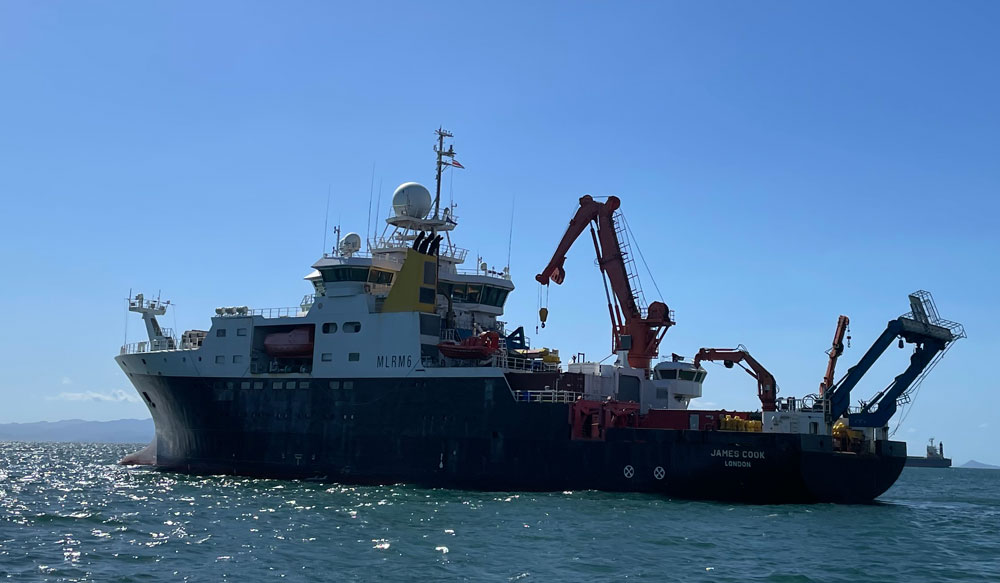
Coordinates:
(624, 243)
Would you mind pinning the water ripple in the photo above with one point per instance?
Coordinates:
(69, 513)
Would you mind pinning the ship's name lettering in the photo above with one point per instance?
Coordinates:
(394, 360)
(738, 454)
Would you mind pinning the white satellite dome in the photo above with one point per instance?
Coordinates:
(411, 200)
(350, 244)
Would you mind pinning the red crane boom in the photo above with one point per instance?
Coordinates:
(767, 387)
(627, 320)
(835, 351)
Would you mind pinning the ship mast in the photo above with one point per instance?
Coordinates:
(441, 153)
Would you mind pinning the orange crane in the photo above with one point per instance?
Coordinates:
(843, 327)
(767, 387)
(632, 330)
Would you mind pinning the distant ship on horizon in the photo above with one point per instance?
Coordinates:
(934, 458)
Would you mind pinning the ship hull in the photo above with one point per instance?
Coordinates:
(470, 433)
(928, 462)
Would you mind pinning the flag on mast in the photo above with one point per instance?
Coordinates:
(455, 163)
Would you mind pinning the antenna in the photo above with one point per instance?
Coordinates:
(378, 203)
(371, 191)
(326, 217)
(441, 153)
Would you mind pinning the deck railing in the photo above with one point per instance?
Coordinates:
(547, 396)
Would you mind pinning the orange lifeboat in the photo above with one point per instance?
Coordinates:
(474, 347)
(296, 343)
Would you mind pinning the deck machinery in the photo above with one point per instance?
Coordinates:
(931, 336)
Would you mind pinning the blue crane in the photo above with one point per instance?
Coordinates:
(922, 327)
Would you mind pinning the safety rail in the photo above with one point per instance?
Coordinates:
(487, 273)
(447, 250)
(508, 362)
(547, 396)
(931, 313)
(290, 312)
(154, 346)
(286, 312)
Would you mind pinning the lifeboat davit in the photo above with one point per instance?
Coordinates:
(474, 347)
(296, 343)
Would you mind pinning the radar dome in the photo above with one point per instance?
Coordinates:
(350, 244)
(411, 200)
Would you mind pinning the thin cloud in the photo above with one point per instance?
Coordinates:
(113, 396)
(67, 381)
(984, 425)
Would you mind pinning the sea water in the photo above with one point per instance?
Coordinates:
(68, 512)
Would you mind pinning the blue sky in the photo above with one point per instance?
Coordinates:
(779, 163)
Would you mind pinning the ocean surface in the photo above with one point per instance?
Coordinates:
(69, 513)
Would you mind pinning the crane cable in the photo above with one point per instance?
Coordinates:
(632, 238)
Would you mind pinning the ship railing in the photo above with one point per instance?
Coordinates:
(508, 362)
(448, 251)
(153, 346)
(284, 312)
(289, 312)
(547, 396)
(485, 273)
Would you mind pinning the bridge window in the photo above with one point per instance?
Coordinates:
(380, 277)
(220, 359)
(669, 374)
(686, 375)
(330, 328)
(221, 333)
(352, 327)
(494, 296)
(474, 293)
(344, 273)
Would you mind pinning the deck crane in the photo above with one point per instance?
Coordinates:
(767, 387)
(931, 336)
(843, 323)
(634, 329)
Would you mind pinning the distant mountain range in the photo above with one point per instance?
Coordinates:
(978, 465)
(119, 431)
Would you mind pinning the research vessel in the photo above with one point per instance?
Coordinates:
(398, 368)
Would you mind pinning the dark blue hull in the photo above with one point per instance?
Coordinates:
(472, 434)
